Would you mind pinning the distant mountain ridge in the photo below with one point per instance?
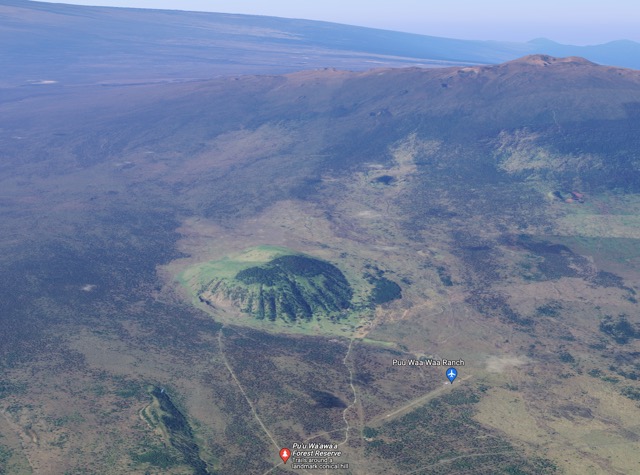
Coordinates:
(103, 44)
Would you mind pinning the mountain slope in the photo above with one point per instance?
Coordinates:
(79, 44)
(491, 213)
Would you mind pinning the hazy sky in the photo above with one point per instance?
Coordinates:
(566, 21)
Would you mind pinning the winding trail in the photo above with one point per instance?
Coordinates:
(253, 409)
(326, 433)
(355, 395)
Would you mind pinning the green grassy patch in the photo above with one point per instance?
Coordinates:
(163, 415)
(274, 288)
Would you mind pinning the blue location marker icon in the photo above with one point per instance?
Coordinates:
(452, 374)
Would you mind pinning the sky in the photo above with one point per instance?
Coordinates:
(577, 22)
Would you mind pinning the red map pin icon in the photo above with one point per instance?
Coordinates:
(285, 454)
